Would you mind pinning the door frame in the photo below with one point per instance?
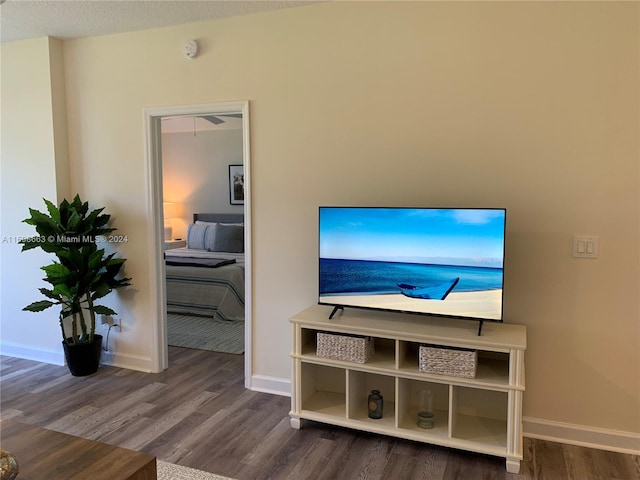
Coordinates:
(157, 291)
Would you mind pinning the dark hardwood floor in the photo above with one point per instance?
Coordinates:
(198, 414)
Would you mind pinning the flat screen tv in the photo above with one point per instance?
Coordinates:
(432, 261)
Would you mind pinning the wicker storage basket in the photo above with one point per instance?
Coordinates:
(344, 347)
(455, 362)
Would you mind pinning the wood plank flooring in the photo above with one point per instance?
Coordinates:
(198, 414)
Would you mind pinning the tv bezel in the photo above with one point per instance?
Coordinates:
(341, 306)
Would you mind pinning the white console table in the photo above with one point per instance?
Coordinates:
(481, 414)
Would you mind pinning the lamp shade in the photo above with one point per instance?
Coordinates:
(170, 210)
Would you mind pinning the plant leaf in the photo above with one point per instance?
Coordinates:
(102, 310)
(49, 293)
(53, 211)
(38, 306)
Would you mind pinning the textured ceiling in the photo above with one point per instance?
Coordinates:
(22, 19)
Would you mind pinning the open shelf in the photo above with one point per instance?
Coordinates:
(477, 414)
(409, 405)
(308, 341)
(480, 416)
(323, 390)
(492, 367)
(385, 354)
(360, 385)
(483, 430)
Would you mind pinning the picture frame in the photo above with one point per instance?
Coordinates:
(236, 184)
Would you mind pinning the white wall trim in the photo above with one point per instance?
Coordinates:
(152, 128)
(273, 385)
(131, 362)
(155, 236)
(55, 357)
(583, 436)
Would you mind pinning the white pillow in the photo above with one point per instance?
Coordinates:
(196, 236)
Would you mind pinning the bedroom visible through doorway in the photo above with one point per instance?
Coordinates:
(202, 174)
(202, 224)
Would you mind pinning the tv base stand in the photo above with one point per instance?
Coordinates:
(481, 414)
(335, 310)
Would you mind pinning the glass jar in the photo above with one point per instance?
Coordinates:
(425, 408)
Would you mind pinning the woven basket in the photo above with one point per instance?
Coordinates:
(454, 362)
(344, 347)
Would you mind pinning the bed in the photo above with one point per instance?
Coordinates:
(206, 278)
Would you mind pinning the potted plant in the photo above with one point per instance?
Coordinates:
(80, 274)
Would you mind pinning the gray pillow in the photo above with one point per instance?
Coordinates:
(228, 238)
(210, 236)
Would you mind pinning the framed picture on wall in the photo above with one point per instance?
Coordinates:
(236, 184)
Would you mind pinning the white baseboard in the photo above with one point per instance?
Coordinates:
(55, 357)
(591, 437)
(132, 362)
(274, 385)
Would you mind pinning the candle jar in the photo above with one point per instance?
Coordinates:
(425, 409)
(375, 404)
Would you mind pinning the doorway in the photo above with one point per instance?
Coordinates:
(158, 293)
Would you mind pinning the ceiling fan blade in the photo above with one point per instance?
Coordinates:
(213, 119)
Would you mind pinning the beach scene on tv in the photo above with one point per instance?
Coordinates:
(431, 261)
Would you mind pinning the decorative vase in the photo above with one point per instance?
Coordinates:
(83, 359)
(9, 467)
(375, 404)
(425, 409)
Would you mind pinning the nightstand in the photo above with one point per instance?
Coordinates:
(177, 243)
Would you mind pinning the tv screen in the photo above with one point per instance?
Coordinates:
(432, 261)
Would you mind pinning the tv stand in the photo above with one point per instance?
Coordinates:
(481, 414)
(335, 310)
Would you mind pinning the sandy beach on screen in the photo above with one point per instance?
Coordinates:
(484, 304)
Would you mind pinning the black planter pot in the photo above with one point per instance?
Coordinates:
(83, 359)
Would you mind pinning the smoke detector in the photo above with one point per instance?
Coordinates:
(190, 48)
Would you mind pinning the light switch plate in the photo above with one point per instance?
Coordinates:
(586, 246)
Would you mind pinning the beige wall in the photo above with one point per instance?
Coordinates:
(195, 173)
(33, 166)
(530, 106)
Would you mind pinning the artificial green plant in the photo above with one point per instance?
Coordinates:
(81, 273)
